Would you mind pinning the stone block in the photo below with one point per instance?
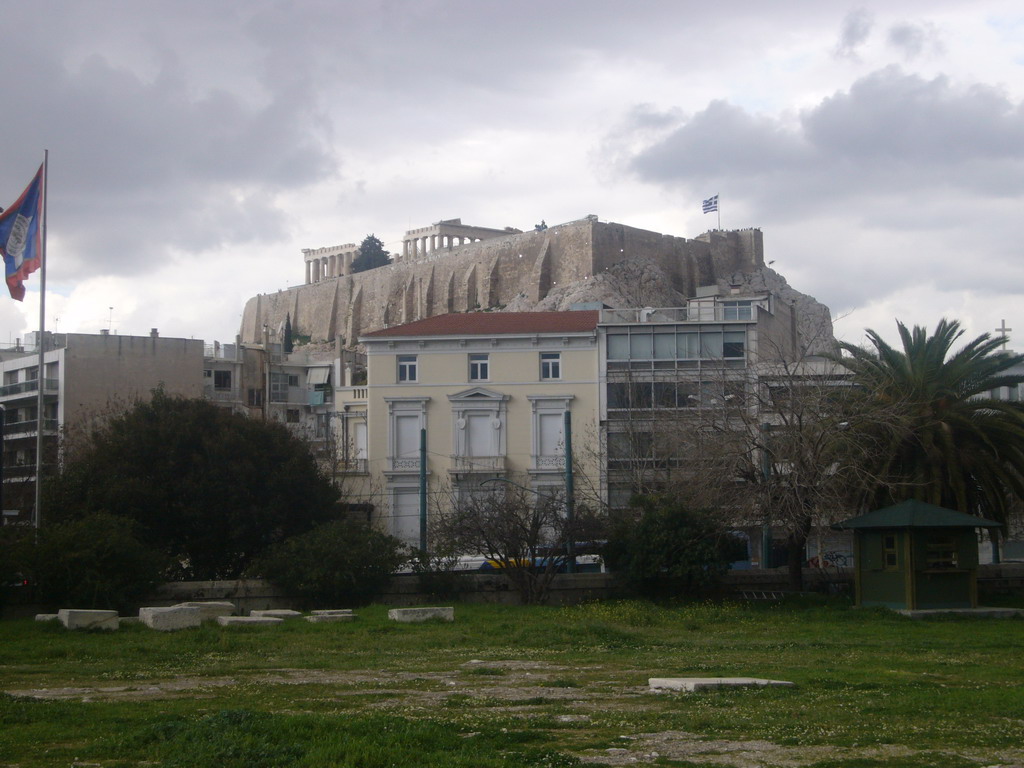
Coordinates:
(331, 611)
(170, 619)
(78, 618)
(276, 613)
(247, 621)
(210, 609)
(46, 617)
(408, 615)
(690, 684)
(323, 618)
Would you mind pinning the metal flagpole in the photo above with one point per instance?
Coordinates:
(40, 375)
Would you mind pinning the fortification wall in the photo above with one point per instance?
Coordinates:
(491, 274)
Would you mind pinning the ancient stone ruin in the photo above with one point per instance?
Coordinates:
(452, 267)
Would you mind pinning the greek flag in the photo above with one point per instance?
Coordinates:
(710, 205)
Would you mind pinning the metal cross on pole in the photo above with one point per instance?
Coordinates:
(1002, 330)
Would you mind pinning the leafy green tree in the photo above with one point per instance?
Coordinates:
(950, 444)
(371, 255)
(208, 488)
(669, 550)
(341, 563)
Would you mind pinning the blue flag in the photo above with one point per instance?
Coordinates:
(710, 205)
(21, 240)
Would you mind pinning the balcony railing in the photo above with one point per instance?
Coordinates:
(24, 387)
(30, 426)
(549, 463)
(695, 313)
(351, 395)
(468, 464)
(359, 466)
(405, 464)
(25, 472)
(222, 395)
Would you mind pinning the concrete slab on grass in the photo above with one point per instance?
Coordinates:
(210, 609)
(46, 617)
(247, 621)
(421, 614)
(324, 618)
(78, 618)
(988, 613)
(690, 684)
(331, 611)
(170, 619)
(276, 613)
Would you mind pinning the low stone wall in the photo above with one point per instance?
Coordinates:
(994, 581)
(246, 594)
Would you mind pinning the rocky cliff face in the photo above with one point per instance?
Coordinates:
(576, 262)
(641, 283)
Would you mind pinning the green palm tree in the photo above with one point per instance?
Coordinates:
(946, 442)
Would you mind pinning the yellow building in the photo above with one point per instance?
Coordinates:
(490, 392)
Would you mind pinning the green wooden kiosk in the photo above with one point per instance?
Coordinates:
(916, 556)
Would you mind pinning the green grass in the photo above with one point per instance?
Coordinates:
(514, 686)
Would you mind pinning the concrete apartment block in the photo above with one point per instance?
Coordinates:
(210, 609)
(409, 615)
(76, 618)
(170, 619)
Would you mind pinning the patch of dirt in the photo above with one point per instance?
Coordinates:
(650, 748)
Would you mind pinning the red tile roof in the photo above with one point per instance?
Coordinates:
(494, 323)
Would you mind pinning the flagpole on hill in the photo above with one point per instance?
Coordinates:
(37, 512)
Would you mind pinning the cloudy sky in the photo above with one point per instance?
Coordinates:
(196, 147)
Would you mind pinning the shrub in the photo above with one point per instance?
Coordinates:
(93, 562)
(669, 550)
(338, 563)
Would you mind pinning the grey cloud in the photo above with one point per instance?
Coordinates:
(914, 39)
(145, 164)
(891, 134)
(854, 32)
(717, 141)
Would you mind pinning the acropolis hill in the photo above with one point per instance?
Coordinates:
(452, 267)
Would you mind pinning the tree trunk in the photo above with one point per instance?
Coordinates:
(797, 541)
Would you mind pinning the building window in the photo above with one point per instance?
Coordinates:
(733, 344)
(222, 380)
(548, 444)
(941, 553)
(406, 368)
(254, 397)
(890, 552)
(292, 416)
(279, 387)
(550, 365)
(479, 367)
(737, 310)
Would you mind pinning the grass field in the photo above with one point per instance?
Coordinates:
(511, 686)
